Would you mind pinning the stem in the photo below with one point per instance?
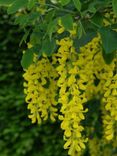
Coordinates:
(57, 8)
(94, 24)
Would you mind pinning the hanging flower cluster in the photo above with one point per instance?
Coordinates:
(40, 90)
(70, 79)
(71, 96)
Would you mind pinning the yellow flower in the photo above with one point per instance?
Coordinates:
(40, 90)
(61, 30)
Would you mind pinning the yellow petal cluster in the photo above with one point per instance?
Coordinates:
(40, 90)
(109, 18)
(78, 75)
(41, 7)
(71, 96)
(110, 104)
(94, 147)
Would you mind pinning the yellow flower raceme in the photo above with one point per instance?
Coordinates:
(40, 90)
(70, 97)
(108, 125)
(106, 86)
(94, 147)
(110, 101)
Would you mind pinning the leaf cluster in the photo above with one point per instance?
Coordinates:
(40, 28)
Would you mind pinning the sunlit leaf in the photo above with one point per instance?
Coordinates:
(114, 4)
(16, 5)
(77, 4)
(67, 21)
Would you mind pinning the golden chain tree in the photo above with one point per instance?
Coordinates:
(70, 69)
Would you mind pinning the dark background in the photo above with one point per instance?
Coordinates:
(18, 137)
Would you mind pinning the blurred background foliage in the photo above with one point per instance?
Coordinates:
(18, 137)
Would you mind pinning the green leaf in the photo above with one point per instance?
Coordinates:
(109, 40)
(84, 40)
(35, 37)
(97, 5)
(25, 36)
(27, 59)
(114, 4)
(22, 20)
(16, 5)
(113, 26)
(77, 4)
(6, 2)
(92, 9)
(31, 4)
(33, 16)
(54, 1)
(50, 15)
(109, 57)
(64, 2)
(48, 47)
(97, 19)
(27, 19)
(67, 21)
(51, 28)
(81, 30)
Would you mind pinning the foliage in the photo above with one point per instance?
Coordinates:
(71, 59)
(87, 14)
